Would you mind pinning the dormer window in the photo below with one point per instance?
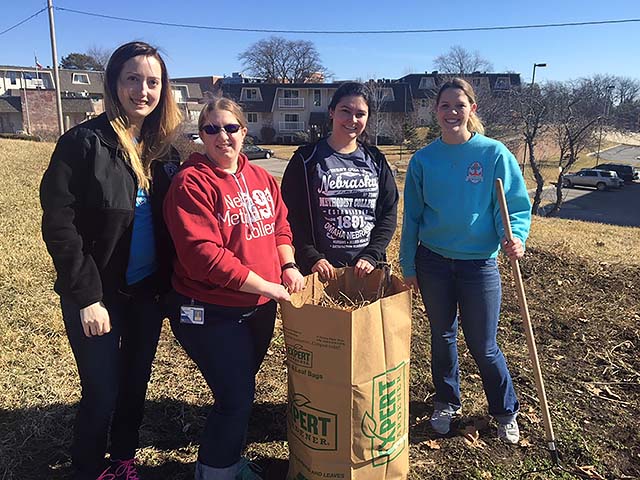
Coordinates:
(502, 83)
(427, 83)
(80, 79)
(250, 95)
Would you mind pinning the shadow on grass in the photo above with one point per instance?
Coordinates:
(35, 442)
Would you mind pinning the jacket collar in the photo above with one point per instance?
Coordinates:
(103, 129)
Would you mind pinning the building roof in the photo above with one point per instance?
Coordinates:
(194, 92)
(401, 101)
(414, 79)
(77, 105)
(10, 105)
(267, 91)
(207, 84)
(95, 86)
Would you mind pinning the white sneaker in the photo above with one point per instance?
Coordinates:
(509, 432)
(441, 421)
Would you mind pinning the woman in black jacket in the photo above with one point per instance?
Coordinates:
(102, 223)
(341, 194)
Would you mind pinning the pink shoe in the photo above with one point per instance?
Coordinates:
(120, 470)
(107, 474)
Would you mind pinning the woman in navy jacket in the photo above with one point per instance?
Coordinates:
(341, 194)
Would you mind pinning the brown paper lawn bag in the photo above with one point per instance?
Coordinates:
(348, 378)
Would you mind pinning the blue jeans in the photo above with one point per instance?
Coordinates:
(472, 287)
(114, 371)
(228, 350)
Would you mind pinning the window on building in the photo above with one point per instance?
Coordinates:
(13, 78)
(250, 94)
(252, 118)
(427, 82)
(179, 93)
(317, 98)
(502, 83)
(291, 93)
(80, 79)
(386, 95)
(291, 117)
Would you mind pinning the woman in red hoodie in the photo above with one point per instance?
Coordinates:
(234, 262)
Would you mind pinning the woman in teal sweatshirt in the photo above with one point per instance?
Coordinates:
(451, 235)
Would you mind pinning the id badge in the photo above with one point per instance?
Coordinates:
(192, 314)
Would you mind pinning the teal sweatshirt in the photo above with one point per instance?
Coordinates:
(450, 202)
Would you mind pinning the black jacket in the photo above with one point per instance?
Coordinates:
(88, 195)
(297, 197)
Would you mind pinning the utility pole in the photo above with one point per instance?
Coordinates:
(26, 102)
(56, 75)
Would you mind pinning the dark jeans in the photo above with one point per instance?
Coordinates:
(228, 349)
(114, 371)
(473, 287)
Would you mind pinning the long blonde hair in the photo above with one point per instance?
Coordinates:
(158, 128)
(474, 124)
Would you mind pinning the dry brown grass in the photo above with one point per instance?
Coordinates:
(582, 282)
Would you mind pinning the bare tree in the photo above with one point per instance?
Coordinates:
(101, 55)
(530, 112)
(381, 93)
(628, 90)
(460, 61)
(280, 60)
(573, 129)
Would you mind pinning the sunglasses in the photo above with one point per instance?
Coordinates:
(215, 129)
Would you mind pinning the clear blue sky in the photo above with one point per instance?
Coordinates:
(570, 52)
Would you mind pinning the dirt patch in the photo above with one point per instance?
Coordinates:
(584, 310)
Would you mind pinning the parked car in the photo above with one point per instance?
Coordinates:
(253, 151)
(601, 179)
(628, 173)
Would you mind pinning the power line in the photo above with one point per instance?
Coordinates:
(352, 32)
(23, 21)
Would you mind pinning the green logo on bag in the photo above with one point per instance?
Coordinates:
(299, 356)
(315, 428)
(386, 425)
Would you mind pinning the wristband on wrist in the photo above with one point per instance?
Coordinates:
(290, 265)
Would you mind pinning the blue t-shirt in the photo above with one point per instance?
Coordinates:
(344, 191)
(142, 254)
(450, 202)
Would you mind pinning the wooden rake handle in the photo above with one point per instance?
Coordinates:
(526, 319)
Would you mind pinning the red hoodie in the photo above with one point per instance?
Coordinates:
(224, 225)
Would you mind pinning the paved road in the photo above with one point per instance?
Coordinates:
(275, 166)
(615, 207)
(621, 153)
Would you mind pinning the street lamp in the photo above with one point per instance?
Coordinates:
(606, 115)
(533, 81)
(533, 76)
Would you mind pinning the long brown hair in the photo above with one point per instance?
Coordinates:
(474, 124)
(158, 128)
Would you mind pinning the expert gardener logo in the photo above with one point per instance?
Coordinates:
(387, 423)
(299, 356)
(315, 428)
